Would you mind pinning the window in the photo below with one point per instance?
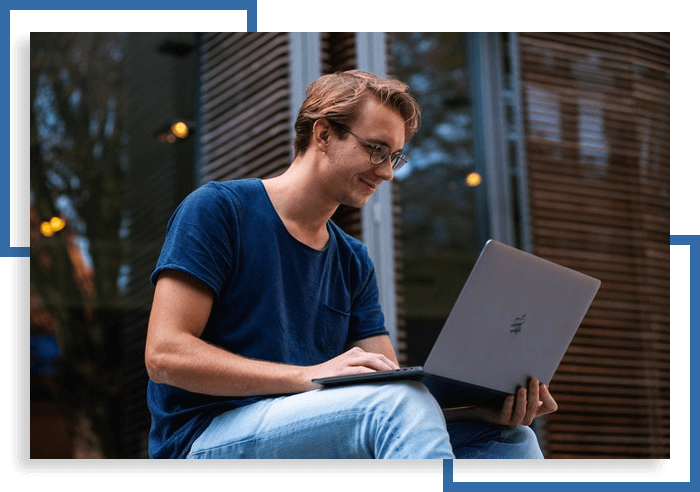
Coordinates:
(464, 178)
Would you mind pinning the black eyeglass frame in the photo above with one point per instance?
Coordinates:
(398, 160)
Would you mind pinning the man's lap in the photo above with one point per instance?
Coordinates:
(360, 421)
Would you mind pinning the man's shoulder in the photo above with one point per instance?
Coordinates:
(235, 187)
(349, 244)
(233, 193)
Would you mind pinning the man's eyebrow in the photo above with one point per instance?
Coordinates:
(384, 144)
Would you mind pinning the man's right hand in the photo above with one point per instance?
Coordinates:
(354, 361)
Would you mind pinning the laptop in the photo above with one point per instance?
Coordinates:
(513, 320)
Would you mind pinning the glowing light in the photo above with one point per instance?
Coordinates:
(57, 223)
(50, 227)
(180, 129)
(473, 179)
(46, 229)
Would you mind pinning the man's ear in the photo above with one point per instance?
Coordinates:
(321, 134)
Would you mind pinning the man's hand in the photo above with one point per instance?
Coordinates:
(354, 361)
(519, 409)
(523, 407)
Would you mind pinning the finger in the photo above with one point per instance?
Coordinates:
(370, 360)
(549, 405)
(379, 362)
(519, 408)
(533, 402)
(387, 361)
(507, 410)
(357, 370)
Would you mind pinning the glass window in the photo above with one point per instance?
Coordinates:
(438, 187)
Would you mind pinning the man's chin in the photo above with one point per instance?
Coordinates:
(356, 202)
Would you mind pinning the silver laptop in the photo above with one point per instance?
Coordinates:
(513, 321)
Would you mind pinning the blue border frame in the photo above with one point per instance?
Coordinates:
(694, 243)
(251, 6)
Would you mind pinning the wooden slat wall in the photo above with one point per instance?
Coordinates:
(338, 53)
(244, 105)
(596, 120)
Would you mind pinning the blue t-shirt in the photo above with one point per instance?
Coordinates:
(276, 299)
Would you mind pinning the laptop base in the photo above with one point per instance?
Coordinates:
(448, 392)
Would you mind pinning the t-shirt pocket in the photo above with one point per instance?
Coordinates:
(334, 326)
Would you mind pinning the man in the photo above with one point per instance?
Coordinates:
(257, 293)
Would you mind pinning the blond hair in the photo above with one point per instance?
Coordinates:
(338, 97)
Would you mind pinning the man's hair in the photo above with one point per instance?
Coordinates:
(339, 96)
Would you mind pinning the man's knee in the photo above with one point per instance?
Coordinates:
(409, 422)
(521, 434)
(525, 440)
(409, 396)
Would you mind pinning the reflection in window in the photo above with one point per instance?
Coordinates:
(439, 240)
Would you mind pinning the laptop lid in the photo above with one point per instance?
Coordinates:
(513, 320)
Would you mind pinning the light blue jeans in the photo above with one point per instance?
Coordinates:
(394, 420)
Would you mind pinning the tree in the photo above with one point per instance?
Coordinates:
(76, 172)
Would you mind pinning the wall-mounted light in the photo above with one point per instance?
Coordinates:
(473, 179)
(176, 131)
(180, 129)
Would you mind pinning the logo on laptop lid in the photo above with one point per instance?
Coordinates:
(517, 325)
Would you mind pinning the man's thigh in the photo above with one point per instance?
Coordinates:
(397, 420)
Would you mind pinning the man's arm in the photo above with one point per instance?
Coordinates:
(176, 355)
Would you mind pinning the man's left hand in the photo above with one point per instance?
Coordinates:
(519, 409)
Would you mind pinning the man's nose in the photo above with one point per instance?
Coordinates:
(384, 170)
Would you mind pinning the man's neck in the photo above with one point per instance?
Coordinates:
(303, 209)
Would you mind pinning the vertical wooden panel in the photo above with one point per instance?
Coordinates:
(244, 105)
(596, 116)
(338, 53)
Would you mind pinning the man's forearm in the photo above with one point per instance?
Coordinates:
(194, 365)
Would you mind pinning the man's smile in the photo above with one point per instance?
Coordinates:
(370, 185)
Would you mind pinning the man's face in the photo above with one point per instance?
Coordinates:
(351, 174)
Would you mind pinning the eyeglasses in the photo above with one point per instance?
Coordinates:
(379, 153)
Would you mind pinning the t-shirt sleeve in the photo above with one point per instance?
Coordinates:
(366, 316)
(201, 238)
